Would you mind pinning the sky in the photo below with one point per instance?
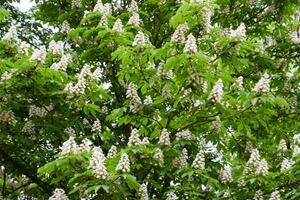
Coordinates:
(24, 5)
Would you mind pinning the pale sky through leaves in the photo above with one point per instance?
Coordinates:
(24, 5)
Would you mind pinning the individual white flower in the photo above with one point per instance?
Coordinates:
(124, 164)
(185, 135)
(286, 164)
(148, 100)
(159, 154)
(171, 196)
(216, 93)
(97, 164)
(226, 175)
(28, 128)
(258, 195)
(179, 34)
(199, 162)
(144, 192)
(190, 44)
(23, 48)
(59, 194)
(140, 39)
(181, 161)
(69, 147)
(11, 35)
(86, 145)
(134, 19)
(134, 138)
(76, 3)
(295, 37)
(133, 7)
(65, 27)
(263, 85)
(240, 82)
(103, 21)
(239, 32)
(275, 195)
(118, 26)
(39, 55)
(164, 138)
(96, 128)
(112, 152)
(262, 168)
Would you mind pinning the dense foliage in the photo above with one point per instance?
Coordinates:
(154, 99)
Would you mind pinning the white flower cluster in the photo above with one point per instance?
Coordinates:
(296, 151)
(134, 19)
(199, 162)
(97, 163)
(172, 196)
(217, 124)
(256, 165)
(226, 175)
(164, 138)
(140, 39)
(207, 14)
(8, 117)
(190, 44)
(39, 111)
(76, 3)
(103, 21)
(148, 100)
(217, 92)
(133, 7)
(124, 164)
(134, 138)
(159, 154)
(239, 32)
(112, 152)
(86, 145)
(39, 55)
(11, 35)
(275, 195)
(65, 27)
(295, 37)
(6, 76)
(69, 147)
(282, 147)
(263, 85)
(179, 34)
(63, 63)
(23, 48)
(286, 164)
(96, 128)
(28, 128)
(262, 168)
(56, 48)
(162, 72)
(135, 100)
(104, 9)
(181, 161)
(78, 88)
(144, 192)
(118, 26)
(185, 135)
(258, 195)
(59, 194)
(240, 82)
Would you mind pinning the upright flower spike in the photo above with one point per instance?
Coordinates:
(39, 55)
(239, 32)
(190, 44)
(263, 85)
(262, 168)
(181, 161)
(133, 7)
(140, 39)
(76, 3)
(286, 164)
(199, 162)
(118, 26)
(69, 147)
(179, 34)
(216, 93)
(134, 138)
(124, 164)
(112, 152)
(103, 21)
(97, 164)
(164, 138)
(11, 35)
(275, 195)
(134, 19)
(59, 194)
(86, 145)
(96, 128)
(226, 175)
(159, 154)
(144, 192)
(172, 196)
